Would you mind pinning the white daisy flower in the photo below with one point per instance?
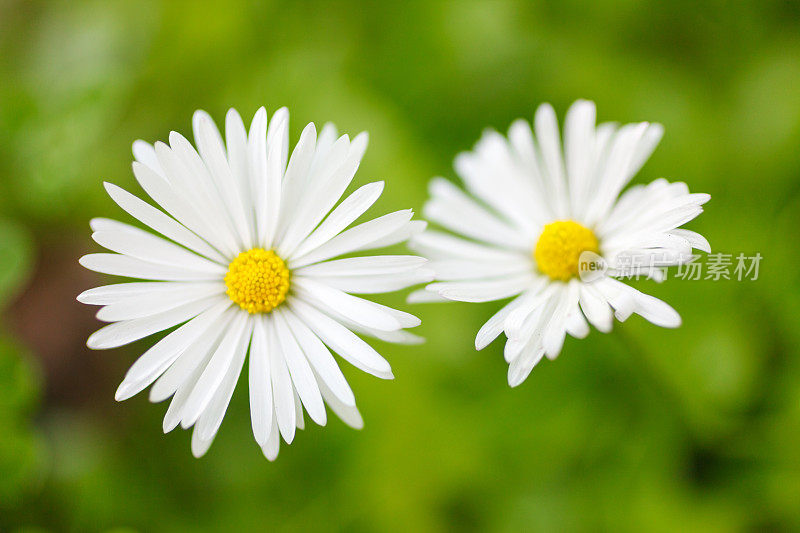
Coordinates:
(536, 212)
(247, 266)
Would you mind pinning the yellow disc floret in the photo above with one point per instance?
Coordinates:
(257, 280)
(559, 248)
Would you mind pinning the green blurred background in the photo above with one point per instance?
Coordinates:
(696, 429)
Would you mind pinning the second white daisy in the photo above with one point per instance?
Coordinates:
(247, 266)
(537, 211)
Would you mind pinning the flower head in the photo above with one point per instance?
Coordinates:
(246, 268)
(539, 220)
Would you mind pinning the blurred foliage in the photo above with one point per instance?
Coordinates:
(694, 429)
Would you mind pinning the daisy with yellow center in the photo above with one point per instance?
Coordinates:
(534, 210)
(246, 268)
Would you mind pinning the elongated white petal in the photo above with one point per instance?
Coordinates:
(354, 238)
(144, 153)
(300, 371)
(579, 152)
(282, 391)
(345, 214)
(296, 180)
(362, 266)
(277, 148)
(162, 354)
(271, 448)
(214, 373)
(437, 245)
(595, 308)
(221, 196)
(308, 213)
(354, 308)
(377, 283)
(260, 380)
(236, 144)
(348, 413)
(152, 303)
(112, 294)
(130, 267)
(134, 242)
(484, 290)
(321, 360)
(552, 161)
(456, 211)
(343, 341)
(160, 190)
(477, 269)
(209, 422)
(160, 222)
(184, 366)
(257, 160)
(331, 189)
(495, 325)
(121, 333)
(399, 235)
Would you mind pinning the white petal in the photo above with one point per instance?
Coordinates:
(257, 159)
(399, 235)
(194, 360)
(215, 371)
(151, 303)
(190, 361)
(261, 407)
(579, 151)
(220, 197)
(453, 209)
(111, 294)
(494, 326)
(209, 422)
(307, 214)
(345, 214)
(277, 148)
(554, 334)
(549, 140)
(595, 308)
(423, 296)
(133, 242)
(438, 245)
(321, 360)
(160, 222)
(272, 446)
(236, 144)
(475, 269)
(354, 238)
(282, 390)
(348, 413)
(354, 308)
(130, 267)
(520, 368)
(483, 291)
(162, 354)
(295, 181)
(160, 190)
(121, 333)
(362, 266)
(144, 153)
(302, 377)
(343, 341)
(377, 283)
(657, 311)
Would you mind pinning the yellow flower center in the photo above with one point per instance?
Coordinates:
(257, 280)
(560, 246)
